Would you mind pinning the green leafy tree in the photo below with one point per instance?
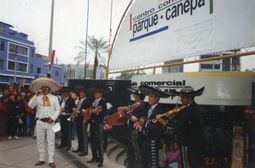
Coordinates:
(128, 75)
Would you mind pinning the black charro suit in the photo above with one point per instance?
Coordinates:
(153, 132)
(96, 130)
(82, 138)
(65, 124)
(133, 137)
(191, 135)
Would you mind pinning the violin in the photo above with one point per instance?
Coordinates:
(170, 114)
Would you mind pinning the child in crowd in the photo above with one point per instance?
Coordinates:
(174, 157)
(163, 155)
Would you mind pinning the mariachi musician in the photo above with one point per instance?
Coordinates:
(153, 130)
(189, 127)
(134, 112)
(83, 103)
(96, 125)
(66, 104)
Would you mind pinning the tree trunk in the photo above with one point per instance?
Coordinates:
(95, 67)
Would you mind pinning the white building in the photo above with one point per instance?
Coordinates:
(76, 71)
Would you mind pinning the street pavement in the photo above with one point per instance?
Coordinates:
(22, 153)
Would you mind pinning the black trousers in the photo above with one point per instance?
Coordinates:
(191, 157)
(152, 147)
(80, 134)
(137, 149)
(12, 125)
(65, 131)
(96, 137)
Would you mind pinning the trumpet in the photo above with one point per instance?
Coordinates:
(71, 117)
(73, 114)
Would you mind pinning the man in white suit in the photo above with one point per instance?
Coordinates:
(47, 111)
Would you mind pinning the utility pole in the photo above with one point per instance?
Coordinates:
(50, 39)
(15, 65)
(110, 36)
(86, 42)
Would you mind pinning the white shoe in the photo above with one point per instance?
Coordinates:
(16, 137)
(9, 137)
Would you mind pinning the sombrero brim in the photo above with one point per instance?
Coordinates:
(134, 91)
(95, 89)
(40, 82)
(145, 89)
(65, 90)
(173, 92)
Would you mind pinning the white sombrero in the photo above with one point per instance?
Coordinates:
(39, 82)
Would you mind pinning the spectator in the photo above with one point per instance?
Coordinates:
(163, 155)
(12, 91)
(174, 157)
(30, 117)
(5, 93)
(13, 116)
(21, 114)
(4, 109)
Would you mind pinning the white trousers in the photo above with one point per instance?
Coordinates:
(41, 129)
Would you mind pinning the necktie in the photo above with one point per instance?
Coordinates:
(95, 103)
(79, 103)
(150, 112)
(46, 101)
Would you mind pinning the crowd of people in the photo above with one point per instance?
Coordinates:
(148, 125)
(20, 117)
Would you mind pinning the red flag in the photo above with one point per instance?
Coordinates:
(52, 56)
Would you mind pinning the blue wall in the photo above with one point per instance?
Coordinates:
(15, 47)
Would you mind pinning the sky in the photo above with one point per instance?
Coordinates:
(33, 18)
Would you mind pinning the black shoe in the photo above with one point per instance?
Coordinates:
(60, 147)
(67, 148)
(75, 151)
(83, 153)
(100, 164)
(92, 161)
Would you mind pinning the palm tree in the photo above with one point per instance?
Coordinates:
(98, 47)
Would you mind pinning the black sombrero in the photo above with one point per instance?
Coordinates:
(136, 92)
(65, 89)
(101, 89)
(79, 88)
(186, 91)
(145, 89)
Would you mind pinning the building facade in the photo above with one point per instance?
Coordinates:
(231, 64)
(76, 71)
(173, 69)
(18, 62)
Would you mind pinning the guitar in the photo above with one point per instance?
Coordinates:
(88, 111)
(121, 114)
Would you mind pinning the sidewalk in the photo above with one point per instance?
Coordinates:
(22, 153)
(80, 161)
